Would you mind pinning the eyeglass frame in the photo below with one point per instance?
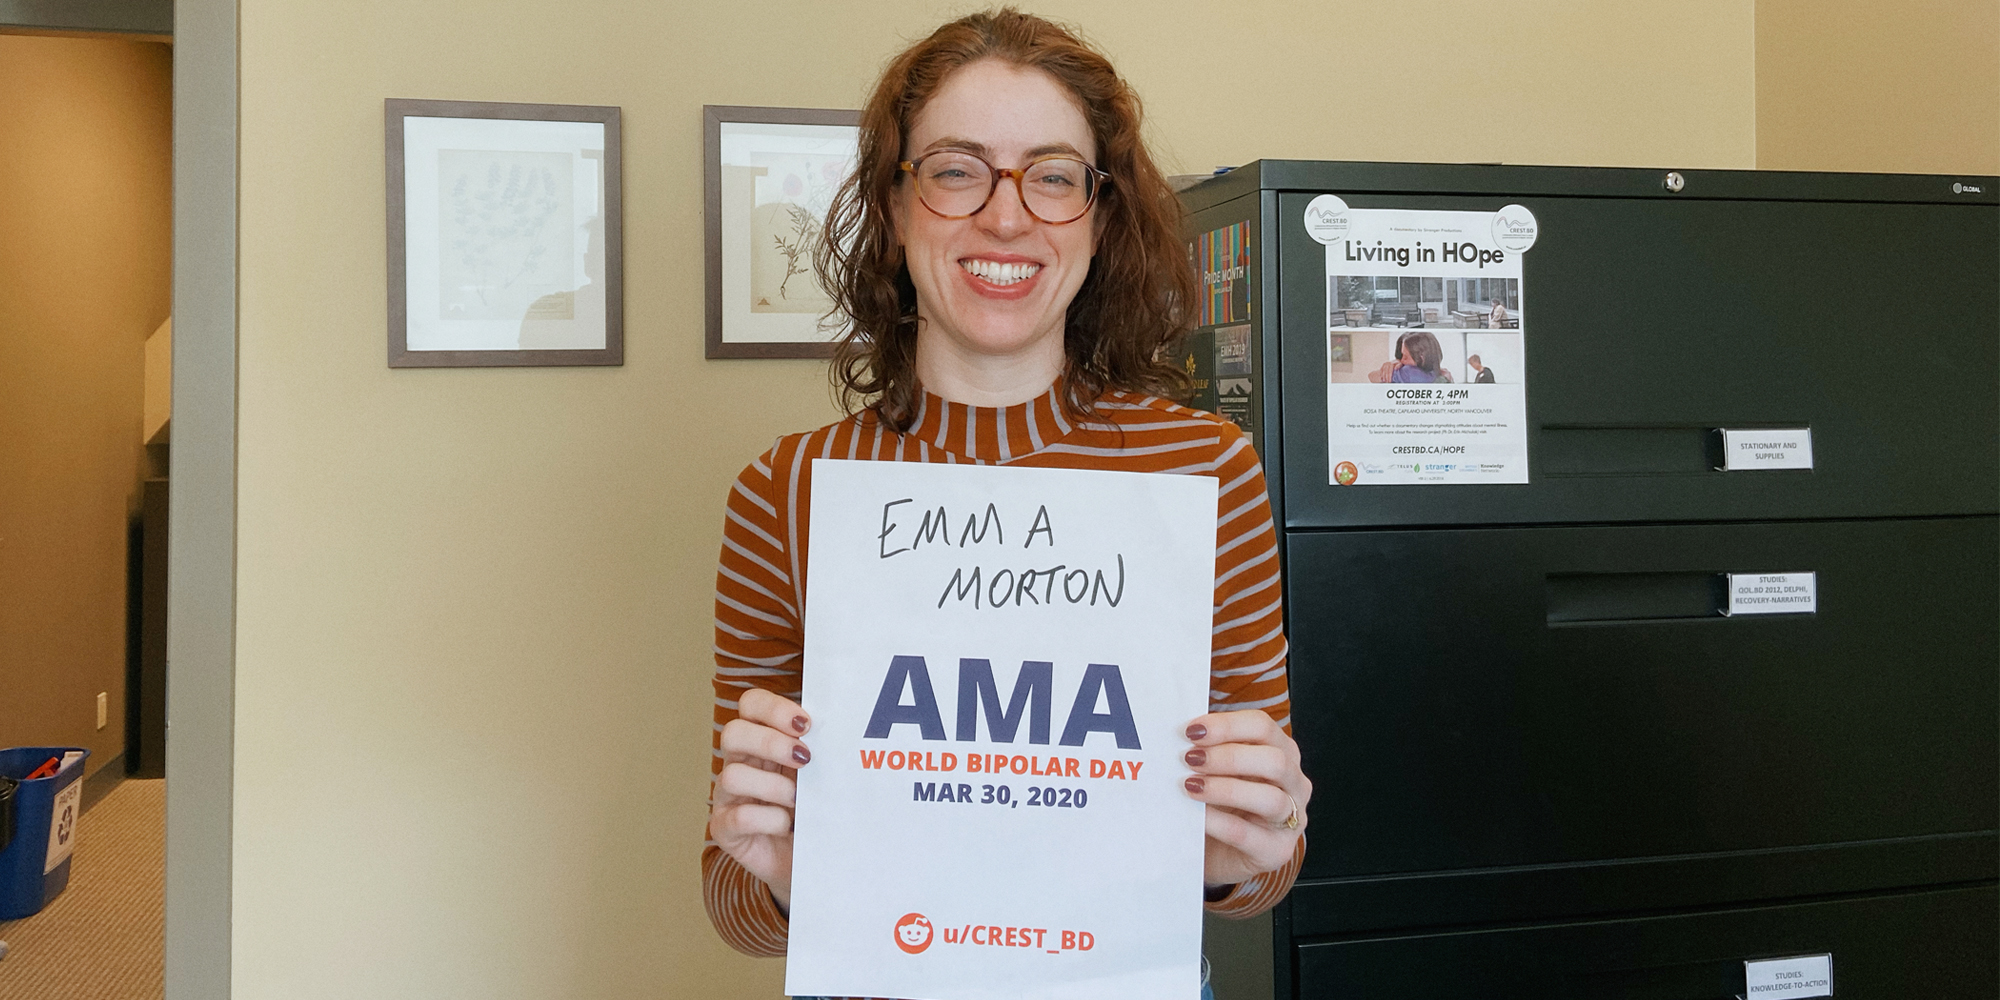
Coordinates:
(1020, 176)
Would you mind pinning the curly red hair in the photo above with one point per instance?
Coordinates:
(1134, 306)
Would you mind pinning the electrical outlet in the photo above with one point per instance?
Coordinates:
(103, 709)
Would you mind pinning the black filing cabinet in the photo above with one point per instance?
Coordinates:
(1546, 762)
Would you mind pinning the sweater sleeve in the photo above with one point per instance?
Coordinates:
(758, 641)
(1247, 664)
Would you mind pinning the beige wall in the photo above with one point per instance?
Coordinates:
(84, 228)
(473, 630)
(1906, 87)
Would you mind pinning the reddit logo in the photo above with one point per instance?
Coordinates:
(913, 932)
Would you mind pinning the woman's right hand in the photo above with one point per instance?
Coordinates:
(751, 816)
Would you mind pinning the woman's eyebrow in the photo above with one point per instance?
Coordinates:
(954, 142)
(981, 149)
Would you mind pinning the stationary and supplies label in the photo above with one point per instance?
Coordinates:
(1426, 318)
(62, 825)
(1767, 449)
(1001, 664)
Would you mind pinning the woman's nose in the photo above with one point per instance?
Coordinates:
(1005, 215)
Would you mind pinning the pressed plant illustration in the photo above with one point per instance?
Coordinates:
(507, 239)
(805, 229)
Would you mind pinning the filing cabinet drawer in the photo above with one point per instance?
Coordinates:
(1937, 944)
(1532, 696)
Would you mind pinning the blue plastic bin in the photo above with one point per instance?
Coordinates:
(34, 867)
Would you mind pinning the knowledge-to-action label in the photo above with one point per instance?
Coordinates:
(1767, 449)
(1800, 976)
(1773, 594)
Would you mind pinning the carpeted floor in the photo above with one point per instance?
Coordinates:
(100, 940)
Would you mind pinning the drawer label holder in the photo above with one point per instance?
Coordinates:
(1798, 976)
(1766, 449)
(1772, 594)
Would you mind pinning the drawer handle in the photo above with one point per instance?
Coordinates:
(1612, 598)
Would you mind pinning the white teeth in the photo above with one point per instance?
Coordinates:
(997, 273)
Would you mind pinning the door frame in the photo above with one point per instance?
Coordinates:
(201, 559)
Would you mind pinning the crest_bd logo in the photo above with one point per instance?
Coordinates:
(1327, 220)
(913, 933)
(1345, 473)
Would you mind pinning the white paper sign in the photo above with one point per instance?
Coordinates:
(1773, 593)
(1767, 449)
(1803, 976)
(1424, 347)
(68, 808)
(1001, 664)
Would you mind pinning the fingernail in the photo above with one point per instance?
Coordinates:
(1197, 757)
(1197, 731)
(799, 724)
(802, 755)
(1195, 784)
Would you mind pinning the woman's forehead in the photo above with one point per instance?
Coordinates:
(1004, 112)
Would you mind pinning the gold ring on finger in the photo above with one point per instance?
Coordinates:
(1291, 821)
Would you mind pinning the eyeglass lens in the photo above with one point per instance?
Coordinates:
(1055, 190)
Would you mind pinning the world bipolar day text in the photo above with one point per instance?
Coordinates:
(1000, 763)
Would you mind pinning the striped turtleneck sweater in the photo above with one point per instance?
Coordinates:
(760, 588)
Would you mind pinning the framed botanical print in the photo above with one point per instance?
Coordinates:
(506, 236)
(771, 174)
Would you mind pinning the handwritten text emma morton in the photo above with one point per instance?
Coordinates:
(1002, 586)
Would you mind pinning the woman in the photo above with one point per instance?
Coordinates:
(1010, 262)
(1418, 359)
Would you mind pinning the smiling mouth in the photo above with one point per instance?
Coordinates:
(996, 273)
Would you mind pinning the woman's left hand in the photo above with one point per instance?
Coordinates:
(1247, 773)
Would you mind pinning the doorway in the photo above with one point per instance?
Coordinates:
(202, 123)
(85, 293)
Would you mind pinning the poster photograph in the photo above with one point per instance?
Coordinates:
(1003, 663)
(1221, 358)
(1426, 327)
(505, 244)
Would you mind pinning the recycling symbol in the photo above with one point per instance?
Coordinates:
(66, 826)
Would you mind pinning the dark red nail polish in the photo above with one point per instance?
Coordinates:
(1197, 757)
(1195, 784)
(802, 755)
(1197, 731)
(799, 724)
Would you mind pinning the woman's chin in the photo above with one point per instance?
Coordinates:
(995, 336)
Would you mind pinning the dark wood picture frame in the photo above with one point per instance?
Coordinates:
(712, 118)
(395, 110)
